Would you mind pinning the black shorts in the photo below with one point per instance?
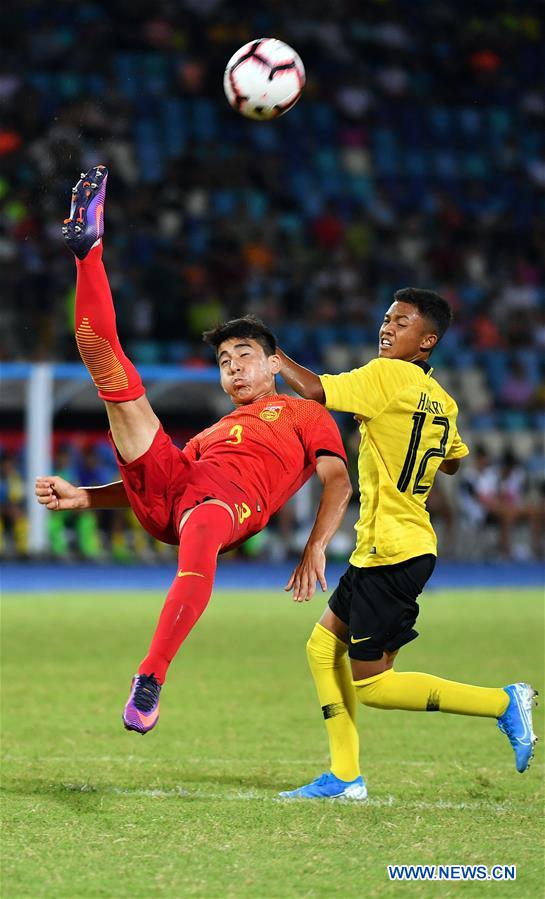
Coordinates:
(379, 605)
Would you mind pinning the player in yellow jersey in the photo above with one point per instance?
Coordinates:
(408, 434)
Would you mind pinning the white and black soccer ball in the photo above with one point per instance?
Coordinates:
(264, 79)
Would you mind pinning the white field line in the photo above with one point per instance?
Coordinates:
(229, 762)
(190, 760)
(254, 795)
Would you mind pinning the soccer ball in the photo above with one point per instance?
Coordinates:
(264, 79)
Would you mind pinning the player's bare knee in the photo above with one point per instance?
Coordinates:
(363, 669)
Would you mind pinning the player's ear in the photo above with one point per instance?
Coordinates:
(275, 363)
(428, 342)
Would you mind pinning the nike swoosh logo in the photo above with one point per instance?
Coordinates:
(185, 573)
(148, 719)
(359, 639)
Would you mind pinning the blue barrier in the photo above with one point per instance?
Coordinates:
(44, 578)
(11, 371)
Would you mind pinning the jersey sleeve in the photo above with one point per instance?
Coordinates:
(458, 448)
(362, 391)
(191, 449)
(320, 434)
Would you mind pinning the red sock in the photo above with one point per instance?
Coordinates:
(207, 529)
(113, 374)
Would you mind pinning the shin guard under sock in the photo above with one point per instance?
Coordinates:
(207, 529)
(328, 661)
(113, 374)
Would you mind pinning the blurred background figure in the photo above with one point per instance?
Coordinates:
(510, 501)
(501, 495)
(13, 523)
(71, 534)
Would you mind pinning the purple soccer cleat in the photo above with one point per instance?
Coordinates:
(85, 224)
(142, 710)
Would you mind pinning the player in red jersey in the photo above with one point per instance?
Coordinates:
(226, 482)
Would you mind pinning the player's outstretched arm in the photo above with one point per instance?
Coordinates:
(336, 494)
(449, 466)
(301, 379)
(59, 495)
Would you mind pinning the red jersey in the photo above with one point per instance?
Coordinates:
(269, 447)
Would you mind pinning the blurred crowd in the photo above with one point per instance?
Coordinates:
(415, 157)
(495, 511)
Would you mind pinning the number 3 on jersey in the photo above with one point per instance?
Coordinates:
(236, 434)
(419, 419)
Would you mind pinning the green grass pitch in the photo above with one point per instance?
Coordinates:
(90, 810)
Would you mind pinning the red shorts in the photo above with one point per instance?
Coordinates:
(163, 484)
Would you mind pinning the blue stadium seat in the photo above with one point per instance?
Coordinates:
(324, 335)
(175, 351)
(484, 421)
(145, 352)
(471, 295)
(174, 130)
(266, 138)
(513, 420)
(152, 74)
(495, 364)
(148, 150)
(326, 161)
(197, 237)
(127, 75)
(204, 119)
(440, 122)
(224, 202)
(474, 165)
(355, 335)
(257, 204)
(531, 360)
(499, 120)
(386, 162)
(322, 118)
(470, 122)
(414, 164)
(360, 187)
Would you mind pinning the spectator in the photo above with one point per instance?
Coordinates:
(71, 532)
(517, 391)
(502, 493)
(13, 523)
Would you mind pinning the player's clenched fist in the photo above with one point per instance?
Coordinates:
(58, 495)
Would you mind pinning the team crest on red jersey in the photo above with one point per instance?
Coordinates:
(271, 413)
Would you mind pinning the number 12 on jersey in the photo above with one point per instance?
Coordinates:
(419, 419)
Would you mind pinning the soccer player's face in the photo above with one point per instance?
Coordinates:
(404, 334)
(246, 372)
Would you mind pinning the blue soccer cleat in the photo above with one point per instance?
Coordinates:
(516, 723)
(85, 224)
(327, 786)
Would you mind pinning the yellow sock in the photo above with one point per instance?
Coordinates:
(418, 692)
(328, 660)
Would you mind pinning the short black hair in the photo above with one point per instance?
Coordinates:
(246, 326)
(429, 304)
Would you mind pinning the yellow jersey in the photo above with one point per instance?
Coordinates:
(408, 427)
